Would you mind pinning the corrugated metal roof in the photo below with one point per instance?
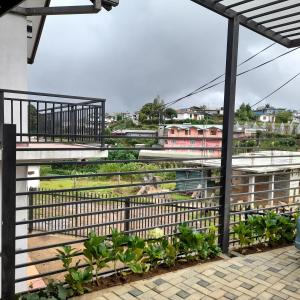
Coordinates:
(258, 162)
(188, 126)
(278, 20)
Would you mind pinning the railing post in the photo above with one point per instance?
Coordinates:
(102, 133)
(127, 216)
(1, 114)
(8, 207)
(228, 124)
(30, 211)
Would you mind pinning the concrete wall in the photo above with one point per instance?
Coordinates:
(13, 62)
(13, 75)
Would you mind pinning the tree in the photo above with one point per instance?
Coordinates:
(152, 111)
(170, 113)
(245, 113)
(32, 118)
(284, 117)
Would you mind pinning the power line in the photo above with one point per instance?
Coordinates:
(276, 90)
(205, 87)
(221, 75)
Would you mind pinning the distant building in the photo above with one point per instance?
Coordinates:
(135, 133)
(208, 137)
(189, 114)
(267, 113)
(245, 130)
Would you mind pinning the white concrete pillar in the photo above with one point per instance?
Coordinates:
(13, 75)
(294, 186)
(271, 188)
(251, 190)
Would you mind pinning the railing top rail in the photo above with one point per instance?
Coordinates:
(52, 95)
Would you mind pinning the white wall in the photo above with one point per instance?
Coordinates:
(13, 63)
(13, 75)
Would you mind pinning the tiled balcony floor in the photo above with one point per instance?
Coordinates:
(270, 275)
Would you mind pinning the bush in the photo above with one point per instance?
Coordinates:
(137, 254)
(272, 229)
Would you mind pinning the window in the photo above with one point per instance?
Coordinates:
(186, 132)
(172, 131)
(166, 142)
(173, 141)
(200, 131)
(192, 142)
(213, 132)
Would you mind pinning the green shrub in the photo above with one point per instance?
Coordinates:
(134, 252)
(272, 229)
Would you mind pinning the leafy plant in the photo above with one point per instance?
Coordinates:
(76, 277)
(258, 225)
(97, 253)
(194, 244)
(53, 291)
(118, 243)
(244, 233)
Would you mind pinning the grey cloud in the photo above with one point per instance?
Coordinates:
(145, 48)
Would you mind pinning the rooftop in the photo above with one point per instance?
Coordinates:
(259, 162)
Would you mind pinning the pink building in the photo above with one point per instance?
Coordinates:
(208, 137)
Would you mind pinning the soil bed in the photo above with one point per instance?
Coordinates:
(119, 279)
(260, 248)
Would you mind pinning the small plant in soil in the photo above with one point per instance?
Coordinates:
(76, 277)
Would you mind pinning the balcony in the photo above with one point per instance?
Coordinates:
(52, 118)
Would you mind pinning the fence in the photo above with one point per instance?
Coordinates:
(129, 214)
(41, 117)
(153, 193)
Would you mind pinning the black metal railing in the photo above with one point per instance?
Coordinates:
(134, 191)
(43, 118)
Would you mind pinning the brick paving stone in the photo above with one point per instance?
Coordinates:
(273, 275)
(247, 286)
(170, 292)
(127, 297)
(217, 294)
(277, 298)
(291, 288)
(135, 292)
(182, 294)
(159, 281)
(265, 296)
(261, 277)
(220, 274)
(203, 283)
(230, 296)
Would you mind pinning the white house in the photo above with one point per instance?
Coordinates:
(189, 114)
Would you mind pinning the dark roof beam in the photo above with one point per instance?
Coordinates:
(261, 6)
(229, 13)
(288, 30)
(274, 11)
(295, 43)
(293, 34)
(239, 3)
(284, 24)
(279, 18)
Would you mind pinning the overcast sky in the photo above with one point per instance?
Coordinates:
(145, 48)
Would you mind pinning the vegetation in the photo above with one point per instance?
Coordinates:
(284, 117)
(270, 229)
(244, 113)
(152, 112)
(138, 256)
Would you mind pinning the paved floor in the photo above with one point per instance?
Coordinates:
(270, 275)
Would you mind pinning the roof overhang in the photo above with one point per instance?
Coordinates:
(36, 11)
(278, 20)
(7, 5)
(37, 29)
